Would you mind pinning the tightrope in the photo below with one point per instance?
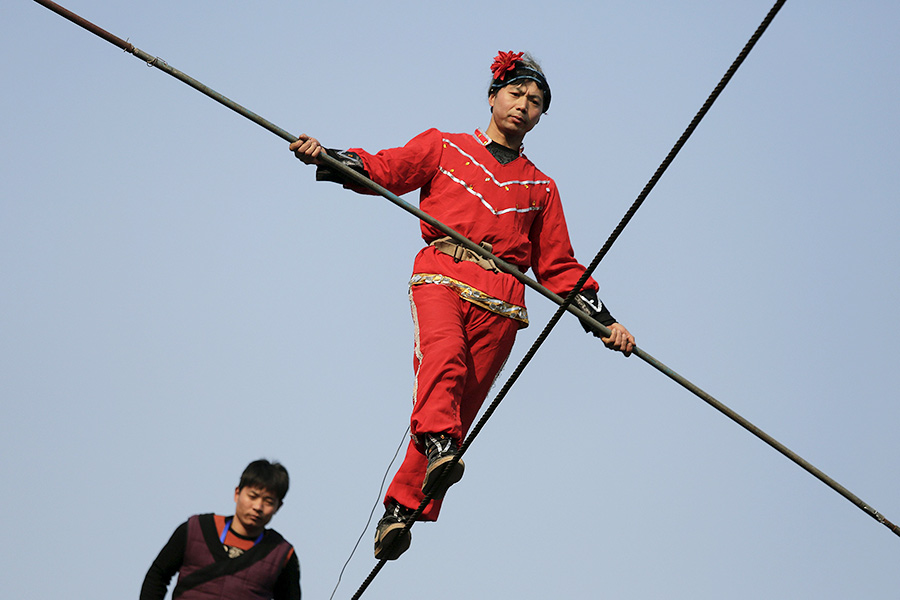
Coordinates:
(692, 126)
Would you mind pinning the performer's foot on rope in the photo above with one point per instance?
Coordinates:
(388, 543)
(440, 449)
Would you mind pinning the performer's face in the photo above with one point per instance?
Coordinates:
(254, 508)
(517, 108)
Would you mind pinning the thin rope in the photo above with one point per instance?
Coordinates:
(372, 512)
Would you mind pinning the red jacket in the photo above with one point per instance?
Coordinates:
(515, 207)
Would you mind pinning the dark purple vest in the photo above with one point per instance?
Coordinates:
(208, 574)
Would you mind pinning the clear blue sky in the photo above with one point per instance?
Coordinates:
(178, 296)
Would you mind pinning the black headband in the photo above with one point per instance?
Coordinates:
(520, 73)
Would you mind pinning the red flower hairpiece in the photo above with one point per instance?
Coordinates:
(503, 62)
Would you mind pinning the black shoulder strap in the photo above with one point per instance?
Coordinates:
(223, 565)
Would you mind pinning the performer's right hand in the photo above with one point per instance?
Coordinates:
(307, 149)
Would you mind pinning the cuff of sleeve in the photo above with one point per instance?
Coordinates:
(604, 317)
(587, 301)
(345, 157)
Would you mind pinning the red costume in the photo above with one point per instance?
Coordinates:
(466, 316)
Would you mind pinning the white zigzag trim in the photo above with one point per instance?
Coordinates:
(491, 175)
(494, 179)
(481, 198)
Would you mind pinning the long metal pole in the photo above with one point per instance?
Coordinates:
(503, 265)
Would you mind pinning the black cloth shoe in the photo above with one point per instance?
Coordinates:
(389, 545)
(440, 449)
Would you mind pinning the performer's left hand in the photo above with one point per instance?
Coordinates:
(619, 340)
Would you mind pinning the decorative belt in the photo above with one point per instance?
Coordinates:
(450, 247)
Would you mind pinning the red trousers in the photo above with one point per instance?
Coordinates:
(460, 349)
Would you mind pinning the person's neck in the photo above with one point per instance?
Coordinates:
(499, 137)
(242, 531)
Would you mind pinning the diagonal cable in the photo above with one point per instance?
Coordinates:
(670, 157)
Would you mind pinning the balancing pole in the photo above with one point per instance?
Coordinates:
(361, 180)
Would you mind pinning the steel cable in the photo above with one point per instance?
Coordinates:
(664, 165)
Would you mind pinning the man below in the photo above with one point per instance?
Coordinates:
(236, 557)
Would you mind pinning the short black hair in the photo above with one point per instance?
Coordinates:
(266, 475)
